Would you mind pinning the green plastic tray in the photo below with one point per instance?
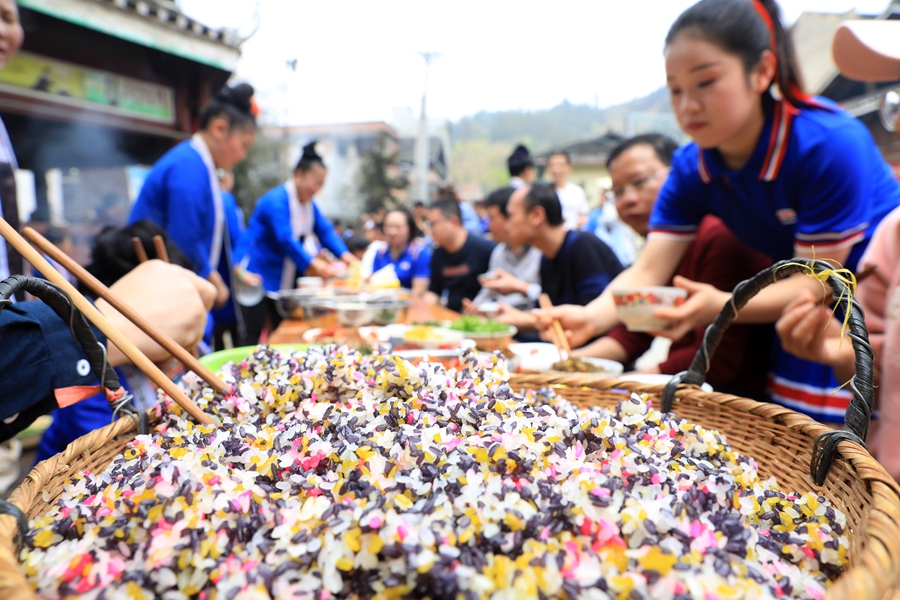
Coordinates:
(216, 360)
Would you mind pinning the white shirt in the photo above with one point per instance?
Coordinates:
(516, 182)
(574, 204)
(368, 259)
(215, 252)
(302, 223)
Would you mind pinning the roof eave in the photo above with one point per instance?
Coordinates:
(185, 38)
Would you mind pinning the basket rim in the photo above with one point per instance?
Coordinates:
(874, 575)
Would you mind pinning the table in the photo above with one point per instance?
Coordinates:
(291, 330)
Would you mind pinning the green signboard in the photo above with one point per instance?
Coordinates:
(50, 79)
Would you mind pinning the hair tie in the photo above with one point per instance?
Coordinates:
(795, 90)
(254, 107)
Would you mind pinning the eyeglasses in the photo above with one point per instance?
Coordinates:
(639, 184)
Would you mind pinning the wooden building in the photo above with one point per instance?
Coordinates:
(99, 87)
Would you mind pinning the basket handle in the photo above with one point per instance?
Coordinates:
(58, 300)
(859, 413)
(8, 508)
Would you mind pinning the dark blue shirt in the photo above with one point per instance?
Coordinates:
(580, 271)
(40, 356)
(830, 190)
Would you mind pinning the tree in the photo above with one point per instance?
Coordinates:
(379, 173)
(264, 168)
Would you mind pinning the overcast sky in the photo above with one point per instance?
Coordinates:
(359, 59)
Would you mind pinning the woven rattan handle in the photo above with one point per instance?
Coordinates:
(59, 301)
(8, 508)
(859, 413)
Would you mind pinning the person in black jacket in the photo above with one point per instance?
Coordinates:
(576, 266)
(459, 258)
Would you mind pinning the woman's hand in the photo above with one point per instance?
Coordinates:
(576, 321)
(703, 305)
(809, 331)
(245, 277)
(222, 291)
(173, 299)
(319, 267)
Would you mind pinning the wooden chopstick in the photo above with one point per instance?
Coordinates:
(96, 317)
(866, 273)
(557, 332)
(160, 245)
(104, 292)
(139, 249)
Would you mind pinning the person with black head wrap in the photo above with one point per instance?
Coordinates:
(273, 246)
(521, 167)
(182, 194)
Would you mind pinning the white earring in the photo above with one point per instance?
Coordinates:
(775, 91)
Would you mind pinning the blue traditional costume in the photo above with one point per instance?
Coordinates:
(274, 240)
(181, 194)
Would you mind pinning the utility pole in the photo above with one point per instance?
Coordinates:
(423, 150)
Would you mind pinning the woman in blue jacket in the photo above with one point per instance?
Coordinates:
(790, 175)
(273, 245)
(182, 195)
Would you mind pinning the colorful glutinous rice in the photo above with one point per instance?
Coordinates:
(340, 475)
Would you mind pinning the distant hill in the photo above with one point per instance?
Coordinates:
(562, 124)
(482, 142)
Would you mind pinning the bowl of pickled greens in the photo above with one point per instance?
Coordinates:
(489, 335)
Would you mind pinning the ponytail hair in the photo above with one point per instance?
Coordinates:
(309, 157)
(234, 104)
(746, 29)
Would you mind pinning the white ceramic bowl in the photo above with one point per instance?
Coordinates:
(534, 356)
(635, 306)
(489, 310)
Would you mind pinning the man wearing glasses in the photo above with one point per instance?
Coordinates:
(639, 167)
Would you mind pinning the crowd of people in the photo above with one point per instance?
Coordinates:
(770, 173)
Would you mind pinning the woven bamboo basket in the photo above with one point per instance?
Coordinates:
(784, 443)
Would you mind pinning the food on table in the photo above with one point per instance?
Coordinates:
(348, 336)
(426, 336)
(420, 333)
(577, 365)
(335, 474)
(474, 324)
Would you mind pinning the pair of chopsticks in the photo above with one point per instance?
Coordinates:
(158, 243)
(557, 335)
(96, 317)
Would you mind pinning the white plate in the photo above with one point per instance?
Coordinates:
(441, 337)
(656, 379)
(609, 367)
(369, 334)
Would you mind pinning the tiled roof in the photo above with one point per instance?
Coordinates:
(593, 151)
(168, 14)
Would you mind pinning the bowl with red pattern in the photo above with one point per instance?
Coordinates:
(635, 306)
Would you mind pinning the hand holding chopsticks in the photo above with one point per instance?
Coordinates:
(183, 356)
(557, 335)
(97, 318)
